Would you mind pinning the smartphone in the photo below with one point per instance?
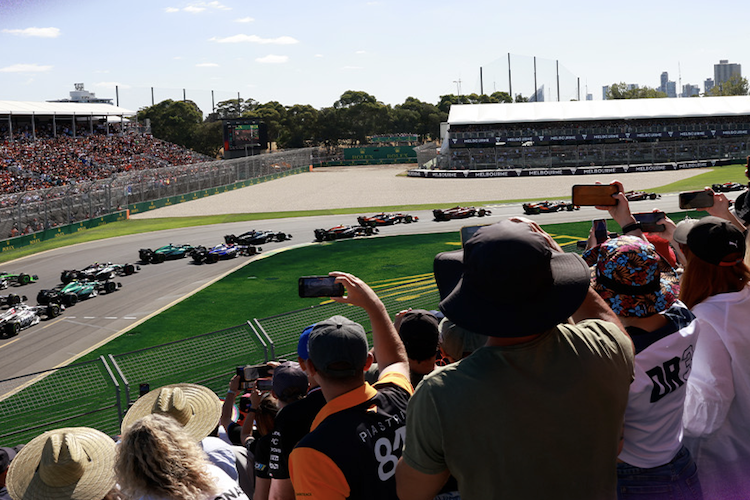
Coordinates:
(594, 194)
(320, 286)
(468, 231)
(696, 199)
(648, 221)
(247, 375)
(264, 384)
(600, 230)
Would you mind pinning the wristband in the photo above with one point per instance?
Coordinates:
(631, 227)
(231, 393)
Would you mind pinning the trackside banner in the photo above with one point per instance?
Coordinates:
(542, 172)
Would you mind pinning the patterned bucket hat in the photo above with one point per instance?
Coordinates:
(630, 275)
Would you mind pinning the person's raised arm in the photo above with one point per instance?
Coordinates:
(228, 406)
(721, 209)
(387, 345)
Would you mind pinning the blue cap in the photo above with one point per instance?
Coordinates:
(302, 344)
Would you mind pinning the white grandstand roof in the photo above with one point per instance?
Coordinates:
(29, 108)
(616, 109)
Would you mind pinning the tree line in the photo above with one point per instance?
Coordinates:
(355, 116)
(736, 85)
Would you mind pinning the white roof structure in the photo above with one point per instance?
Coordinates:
(615, 109)
(28, 108)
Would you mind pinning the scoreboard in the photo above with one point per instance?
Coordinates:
(241, 136)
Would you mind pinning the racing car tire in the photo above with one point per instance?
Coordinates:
(128, 269)
(14, 299)
(110, 286)
(24, 279)
(12, 329)
(159, 258)
(408, 219)
(212, 258)
(53, 311)
(70, 299)
(481, 213)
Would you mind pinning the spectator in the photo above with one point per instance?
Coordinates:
(194, 407)
(355, 441)
(257, 439)
(641, 288)
(292, 424)
(715, 286)
(418, 330)
(456, 343)
(544, 399)
(69, 463)
(6, 457)
(742, 203)
(159, 459)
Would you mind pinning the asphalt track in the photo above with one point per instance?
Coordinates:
(93, 322)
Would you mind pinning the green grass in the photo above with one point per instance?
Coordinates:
(728, 173)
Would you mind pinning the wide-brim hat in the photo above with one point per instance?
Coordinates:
(70, 463)
(195, 407)
(632, 277)
(742, 207)
(513, 284)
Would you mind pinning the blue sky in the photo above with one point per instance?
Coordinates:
(299, 52)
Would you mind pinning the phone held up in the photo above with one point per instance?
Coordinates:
(320, 286)
(594, 194)
(649, 221)
(600, 230)
(250, 373)
(696, 199)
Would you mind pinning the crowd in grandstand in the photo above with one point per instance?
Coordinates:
(619, 374)
(64, 160)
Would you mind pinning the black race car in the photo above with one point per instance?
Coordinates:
(99, 271)
(12, 299)
(254, 237)
(728, 186)
(459, 213)
(546, 207)
(384, 219)
(340, 232)
(641, 195)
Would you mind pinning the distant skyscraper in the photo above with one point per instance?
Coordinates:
(708, 84)
(725, 70)
(667, 86)
(589, 97)
(689, 90)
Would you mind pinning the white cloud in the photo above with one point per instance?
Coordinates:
(318, 55)
(25, 68)
(194, 9)
(198, 7)
(272, 59)
(206, 65)
(244, 20)
(37, 32)
(360, 52)
(282, 40)
(171, 10)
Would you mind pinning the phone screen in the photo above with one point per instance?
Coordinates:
(320, 286)
(649, 220)
(600, 230)
(696, 199)
(594, 194)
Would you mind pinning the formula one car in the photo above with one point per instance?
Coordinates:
(70, 293)
(22, 316)
(728, 186)
(384, 219)
(222, 251)
(640, 195)
(459, 213)
(167, 252)
(7, 279)
(12, 299)
(546, 207)
(254, 237)
(340, 232)
(99, 271)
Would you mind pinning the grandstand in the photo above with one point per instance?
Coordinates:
(595, 133)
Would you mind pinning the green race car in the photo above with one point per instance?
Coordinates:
(7, 279)
(70, 293)
(167, 252)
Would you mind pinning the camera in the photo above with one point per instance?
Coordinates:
(696, 199)
(594, 194)
(648, 221)
(320, 286)
(250, 373)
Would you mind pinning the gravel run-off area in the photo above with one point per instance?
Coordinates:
(375, 186)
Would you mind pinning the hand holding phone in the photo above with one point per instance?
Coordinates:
(320, 286)
(594, 194)
(696, 199)
(649, 221)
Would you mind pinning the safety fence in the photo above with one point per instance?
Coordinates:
(97, 393)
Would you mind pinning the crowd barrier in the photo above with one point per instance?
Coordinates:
(97, 393)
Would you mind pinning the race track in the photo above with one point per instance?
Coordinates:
(92, 322)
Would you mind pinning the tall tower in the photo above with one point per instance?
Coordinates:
(726, 70)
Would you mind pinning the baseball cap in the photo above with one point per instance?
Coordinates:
(289, 381)
(418, 330)
(716, 241)
(338, 347)
(456, 341)
(6, 455)
(509, 269)
(682, 229)
(302, 343)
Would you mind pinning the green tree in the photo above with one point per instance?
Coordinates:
(736, 85)
(173, 121)
(360, 115)
(501, 97)
(621, 91)
(299, 126)
(233, 108)
(415, 116)
(207, 138)
(273, 114)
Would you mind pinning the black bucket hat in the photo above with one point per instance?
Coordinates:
(513, 284)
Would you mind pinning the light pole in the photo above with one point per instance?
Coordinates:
(458, 86)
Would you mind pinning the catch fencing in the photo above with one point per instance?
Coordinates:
(97, 393)
(35, 211)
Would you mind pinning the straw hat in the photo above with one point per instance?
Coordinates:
(195, 407)
(71, 463)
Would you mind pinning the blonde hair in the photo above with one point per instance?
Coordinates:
(701, 280)
(156, 457)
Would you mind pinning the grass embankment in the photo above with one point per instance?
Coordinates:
(730, 173)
